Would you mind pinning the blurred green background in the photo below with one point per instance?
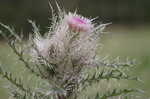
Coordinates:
(128, 35)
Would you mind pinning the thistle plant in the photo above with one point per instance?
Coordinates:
(63, 59)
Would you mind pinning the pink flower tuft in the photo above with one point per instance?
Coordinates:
(78, 23)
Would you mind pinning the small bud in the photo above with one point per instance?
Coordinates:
(78, 23)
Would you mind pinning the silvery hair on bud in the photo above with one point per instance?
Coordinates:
(66, 48)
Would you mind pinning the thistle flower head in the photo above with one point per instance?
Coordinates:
(65, 48)
(78, 23)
